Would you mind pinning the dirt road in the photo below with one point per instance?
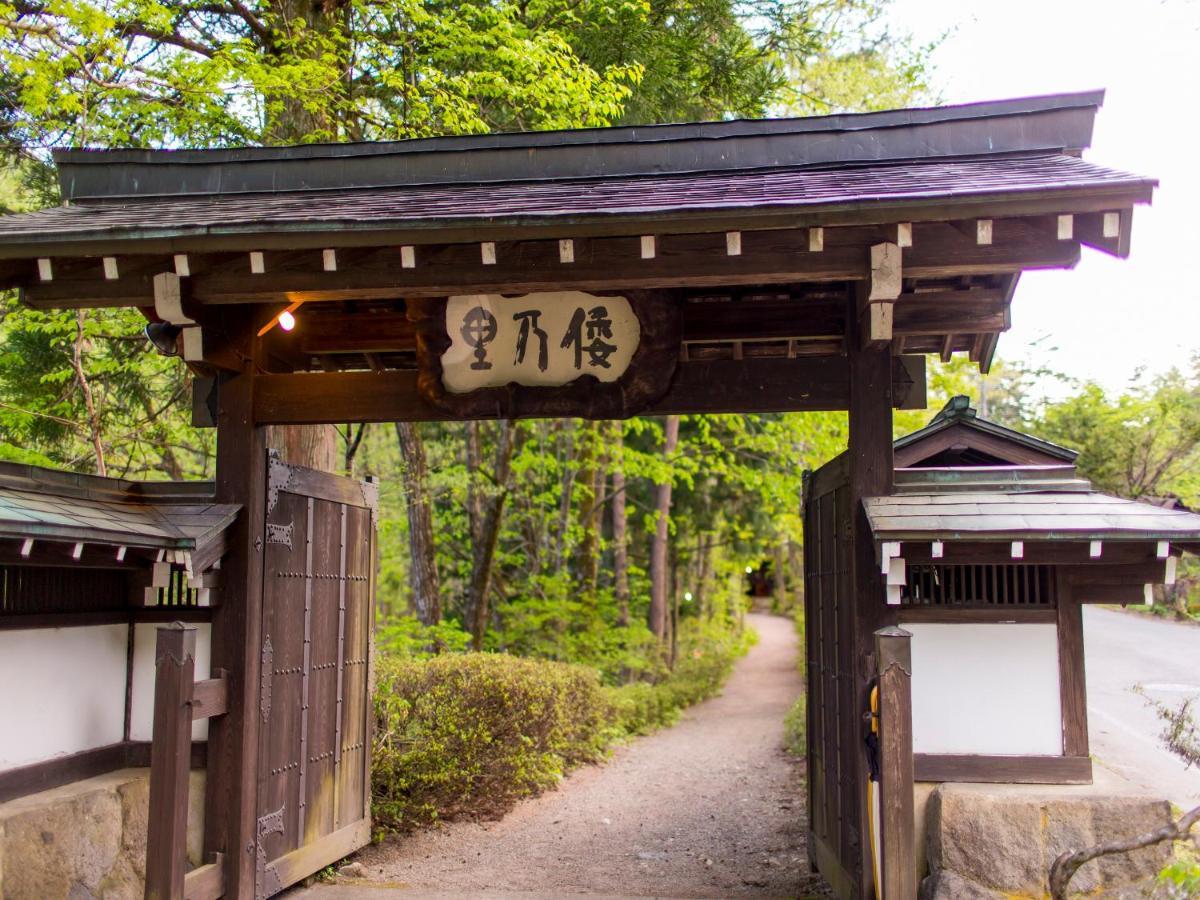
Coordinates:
(709, 808)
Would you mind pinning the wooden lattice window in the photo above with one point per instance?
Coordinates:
(26, 590)
(979, 585)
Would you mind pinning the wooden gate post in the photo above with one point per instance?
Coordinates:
(232, 786)
(893, 649)
(170, 761)
(862, 608)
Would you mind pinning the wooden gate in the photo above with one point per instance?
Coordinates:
(315, 701)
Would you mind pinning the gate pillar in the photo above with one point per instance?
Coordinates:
(231, 789)
(872, 474)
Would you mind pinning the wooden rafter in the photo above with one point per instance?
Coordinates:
(779, 256)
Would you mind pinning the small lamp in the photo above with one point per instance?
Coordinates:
(163, 336)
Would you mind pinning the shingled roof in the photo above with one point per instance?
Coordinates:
(958, 433)
(67, 507)
(1022, 504)
(879, 163)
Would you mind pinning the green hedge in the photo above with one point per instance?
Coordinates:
(471, 734)
(476, 732)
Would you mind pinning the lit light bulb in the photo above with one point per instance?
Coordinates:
(287, 321)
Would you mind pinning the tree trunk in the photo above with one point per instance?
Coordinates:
(313, 446)
(474, 497)
(620, 546)
(674, 601)
(779, 587)
(85, 387)
(703, 607)
(658, 546)
(426, 597)
(587, 498)
(479, 590)
(796, 571)
(566, 460)
(353, 441)
(292, 121)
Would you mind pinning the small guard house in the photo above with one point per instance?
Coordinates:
(89, 567)
(721, 267)
(986, 551)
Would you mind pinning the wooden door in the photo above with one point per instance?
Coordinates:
(315, 693)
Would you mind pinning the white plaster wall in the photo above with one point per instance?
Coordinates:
(62, 690)
(141, 719)
(987, 688)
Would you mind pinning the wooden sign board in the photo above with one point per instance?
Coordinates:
(537, 340)
(556, 353)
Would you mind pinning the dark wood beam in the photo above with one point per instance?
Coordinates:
(871, 474)
(968, 615)
(712, 386)
(914, 314)
(1152, 571)
(1071, 680)
(1003, 769)
(231, 789)
(1106, 231)
(898, 874)
(325, 329)
(601, 264)
(1057, 552)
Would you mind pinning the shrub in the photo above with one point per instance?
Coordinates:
(471, 734)
(795, 723)
(706, 657)
(476, 732)
(795, 727)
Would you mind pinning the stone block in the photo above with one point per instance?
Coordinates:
(86, 841)
(1000, 840)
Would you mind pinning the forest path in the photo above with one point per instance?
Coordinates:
(711, 807)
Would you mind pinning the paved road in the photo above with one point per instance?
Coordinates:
(712, 807)
(1122, 650)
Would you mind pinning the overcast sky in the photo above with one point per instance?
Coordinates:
(1107, 317)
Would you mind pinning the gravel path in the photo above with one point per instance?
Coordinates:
(711, 807)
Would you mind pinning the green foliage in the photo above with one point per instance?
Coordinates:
(404, 637)
(795, 723)
(1181, 879)
(1141, 443)
(843, 58)
(795, 727)
(471, 734)
(474, 733)
(706, 658)
(82, 390)
(194, 73)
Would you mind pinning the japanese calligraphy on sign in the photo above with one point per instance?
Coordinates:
(539, 340)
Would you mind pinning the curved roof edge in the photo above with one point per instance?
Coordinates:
(1050, 123)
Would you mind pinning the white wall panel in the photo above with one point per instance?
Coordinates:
(987, 688)
(145, 636)
(62, 690)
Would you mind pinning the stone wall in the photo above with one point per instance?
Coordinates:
(85, 840)
(987, 842)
